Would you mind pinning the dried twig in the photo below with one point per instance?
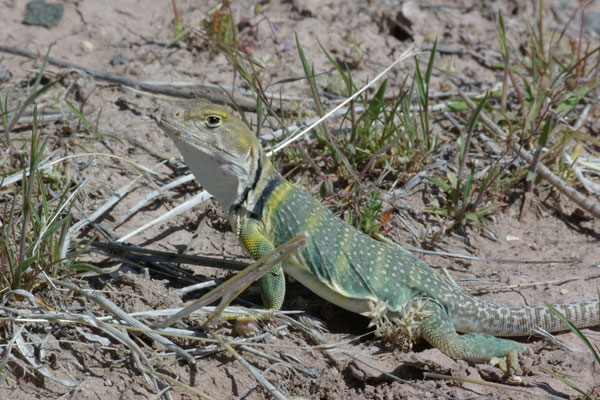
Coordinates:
(152, 195)
(410, 52)
(532, 284)
(492, 384)
(310, 372)
(582, 201)
(490, 260)
(191, 203)
(394, 377)
(261, 379)
(122, 315)
(237, 284)
(444, 49)
(116, 197)
(205, 91)
(165, 256)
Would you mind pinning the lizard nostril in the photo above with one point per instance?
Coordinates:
(177, 114)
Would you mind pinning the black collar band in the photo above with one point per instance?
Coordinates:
(274, 182)
(252, 186)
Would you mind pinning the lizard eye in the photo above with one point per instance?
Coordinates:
(213, 121)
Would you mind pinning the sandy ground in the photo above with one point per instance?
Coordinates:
(91, 34)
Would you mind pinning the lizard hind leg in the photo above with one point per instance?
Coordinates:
(439, 331)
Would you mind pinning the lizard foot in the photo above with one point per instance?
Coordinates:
(509, 364)
(402, 329)
(246, 325)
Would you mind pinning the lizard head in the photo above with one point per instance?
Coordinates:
(219, 149)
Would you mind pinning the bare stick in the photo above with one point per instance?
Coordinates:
(491, 260)
(206, 92)
(131, 251)
(492, 384)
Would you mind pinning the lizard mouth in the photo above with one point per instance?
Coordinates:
(165, 124)
(171, 120)
(173, 130)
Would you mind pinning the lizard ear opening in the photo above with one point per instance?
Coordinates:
(213, 121)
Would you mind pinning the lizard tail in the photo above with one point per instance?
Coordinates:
(501, 320)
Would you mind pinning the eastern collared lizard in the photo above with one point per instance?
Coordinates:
(340, 263)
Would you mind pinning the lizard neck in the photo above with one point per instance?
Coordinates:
(259, 189)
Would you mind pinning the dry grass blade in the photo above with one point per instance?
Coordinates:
(122, 315)
(183, 385)
(490, 260)
(137, 353)
(19, 292)
(306, 371)
(47, 116)
(582, 201)
(237, 284)
(115, 198)
(7, 354)
(133, 251)
(492, 384)
(28, 352)
(237, 310)
(191, 203)
(261, 379)
(394, 377)
(16, 177)
(589, 185)
(150, 196)
(408, 53)
(198, 286)
(541, 283)
(553, 339)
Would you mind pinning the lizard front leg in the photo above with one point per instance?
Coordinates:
(272, 284)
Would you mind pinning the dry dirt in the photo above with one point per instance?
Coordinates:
(92, 33)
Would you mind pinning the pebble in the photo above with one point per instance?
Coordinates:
(119, 59)
(5, 75)
(40, 13)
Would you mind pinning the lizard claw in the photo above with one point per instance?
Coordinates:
(509, 364)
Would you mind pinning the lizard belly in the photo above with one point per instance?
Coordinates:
(297, 267)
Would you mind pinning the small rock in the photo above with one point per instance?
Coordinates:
(429, 360)
(119, 59)
(40, 13)
(306, 8)
(87, 45)
(360, 373)
(411, 12)
(5, 75)
(336, 85)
